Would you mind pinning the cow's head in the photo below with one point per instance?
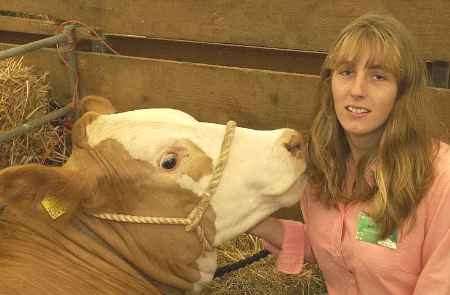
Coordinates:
(159, 163)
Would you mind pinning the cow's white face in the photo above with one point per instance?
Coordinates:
(261, 175)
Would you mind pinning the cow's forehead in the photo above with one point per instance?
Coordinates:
(154, 115)
(145, 133)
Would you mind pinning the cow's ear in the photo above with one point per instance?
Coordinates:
(51, 191)
(90, 108)
(96, 104)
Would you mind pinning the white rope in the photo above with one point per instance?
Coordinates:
(141, 219)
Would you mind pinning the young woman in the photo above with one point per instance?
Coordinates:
(377, 205)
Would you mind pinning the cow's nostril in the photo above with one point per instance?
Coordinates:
(294, 144)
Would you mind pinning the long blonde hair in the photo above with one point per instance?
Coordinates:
(402, 161)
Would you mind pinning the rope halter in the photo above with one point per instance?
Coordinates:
(192, 221)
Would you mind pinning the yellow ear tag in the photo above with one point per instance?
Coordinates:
(53, 207)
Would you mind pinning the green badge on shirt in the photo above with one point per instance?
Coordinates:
(368, 232)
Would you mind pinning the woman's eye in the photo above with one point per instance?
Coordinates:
(168, 161)
(379, 77)
(345, 72)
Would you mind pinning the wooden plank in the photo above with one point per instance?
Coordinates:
(254, 98)
(291, 61)
(292, 24)
(281, 60)
(26, 25)
(34, 28)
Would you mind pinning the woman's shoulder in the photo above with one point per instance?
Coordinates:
(442, 160)
(438, 195)
(435, 207)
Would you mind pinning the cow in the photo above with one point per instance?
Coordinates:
(141, 203)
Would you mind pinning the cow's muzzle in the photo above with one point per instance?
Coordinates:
(293, 142)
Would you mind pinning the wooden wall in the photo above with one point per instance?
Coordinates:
(306, 25)
(252, 61)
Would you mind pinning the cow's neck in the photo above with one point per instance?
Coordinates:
(39, 259)
(159, 260)
(87, 250)
(109, 253)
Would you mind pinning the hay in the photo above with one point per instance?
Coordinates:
(260, 277)
(24, 95)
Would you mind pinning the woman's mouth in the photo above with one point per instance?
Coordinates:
(357, 110)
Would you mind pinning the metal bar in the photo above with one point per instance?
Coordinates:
(71, 58)
(46, 42)
(30, 125)
(21, 49)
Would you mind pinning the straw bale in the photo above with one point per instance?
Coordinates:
(25, 95)
(260, 277)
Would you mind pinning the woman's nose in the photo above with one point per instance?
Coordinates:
(359, 86)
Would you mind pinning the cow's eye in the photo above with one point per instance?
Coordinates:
(168, 161)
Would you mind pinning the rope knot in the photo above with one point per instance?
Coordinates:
(197, 213)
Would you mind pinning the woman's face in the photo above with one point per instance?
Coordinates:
(364, 95)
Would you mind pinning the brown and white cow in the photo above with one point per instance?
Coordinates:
(150, 162)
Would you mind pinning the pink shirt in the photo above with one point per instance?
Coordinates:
(419, 265)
